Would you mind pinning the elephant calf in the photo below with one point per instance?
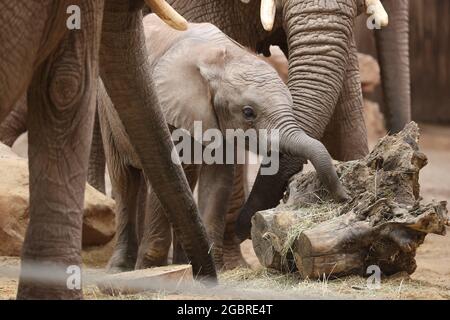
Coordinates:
(200, 75)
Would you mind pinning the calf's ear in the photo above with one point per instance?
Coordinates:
(184, 79)
(211, 64)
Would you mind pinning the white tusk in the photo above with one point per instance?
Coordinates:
(245, 1)
(268, 12)
(376, 9)
(167, 14)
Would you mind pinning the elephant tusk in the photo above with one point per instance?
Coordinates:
(375, 8)
(268, 11)
(167, 14)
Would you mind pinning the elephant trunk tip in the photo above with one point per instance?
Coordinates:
(313, 150)
(340, 194)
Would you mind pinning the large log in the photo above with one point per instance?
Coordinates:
(383, 224)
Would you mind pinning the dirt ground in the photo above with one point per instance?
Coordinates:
(433, 257)
(430, 281)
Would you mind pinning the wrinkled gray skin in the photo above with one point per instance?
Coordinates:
(318, 38)
(224, 80)
(59, 69)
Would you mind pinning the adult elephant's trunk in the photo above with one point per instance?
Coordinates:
(393, 50)
(319, 35)
(125, 71)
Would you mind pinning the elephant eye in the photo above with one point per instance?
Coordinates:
(249, 113)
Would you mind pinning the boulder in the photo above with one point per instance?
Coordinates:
(370, 72)
(98, 219)
(374, 120)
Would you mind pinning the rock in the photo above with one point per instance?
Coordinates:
(20, 146)
(383, 224)
(153, 279)
(374, 120)
(6, 152)
(98, 219)
(370, 72)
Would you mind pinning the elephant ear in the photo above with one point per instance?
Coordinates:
(184, 80)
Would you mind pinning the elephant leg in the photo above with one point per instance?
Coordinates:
(15, 122)
(179, 256)
(232, 255)
(192, 174)
(125, 183)
(30, 32)
(97, 161)
(156, 234)
(393, 52)
(346, 134)
(214, 193)
(62, 99)
(142, 201)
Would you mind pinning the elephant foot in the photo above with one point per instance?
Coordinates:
(232, 258)
(121, 262)
(150, 261)
(233, 263)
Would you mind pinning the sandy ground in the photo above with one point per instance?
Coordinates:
(430, 281)
(433, 257)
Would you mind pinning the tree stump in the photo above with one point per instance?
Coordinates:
(382, 224)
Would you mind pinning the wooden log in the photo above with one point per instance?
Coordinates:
(153, 279)
(383, 224)
(268, 238)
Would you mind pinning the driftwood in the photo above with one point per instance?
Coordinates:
(383, 224)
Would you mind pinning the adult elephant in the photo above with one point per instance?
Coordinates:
(318, 38)
(59, 69)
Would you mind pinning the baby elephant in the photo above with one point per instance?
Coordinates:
(201, 76)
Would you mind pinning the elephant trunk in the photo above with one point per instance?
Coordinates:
(296, 143)
(294, 146)
(125, 70)
(318, 34)
(393, 48)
